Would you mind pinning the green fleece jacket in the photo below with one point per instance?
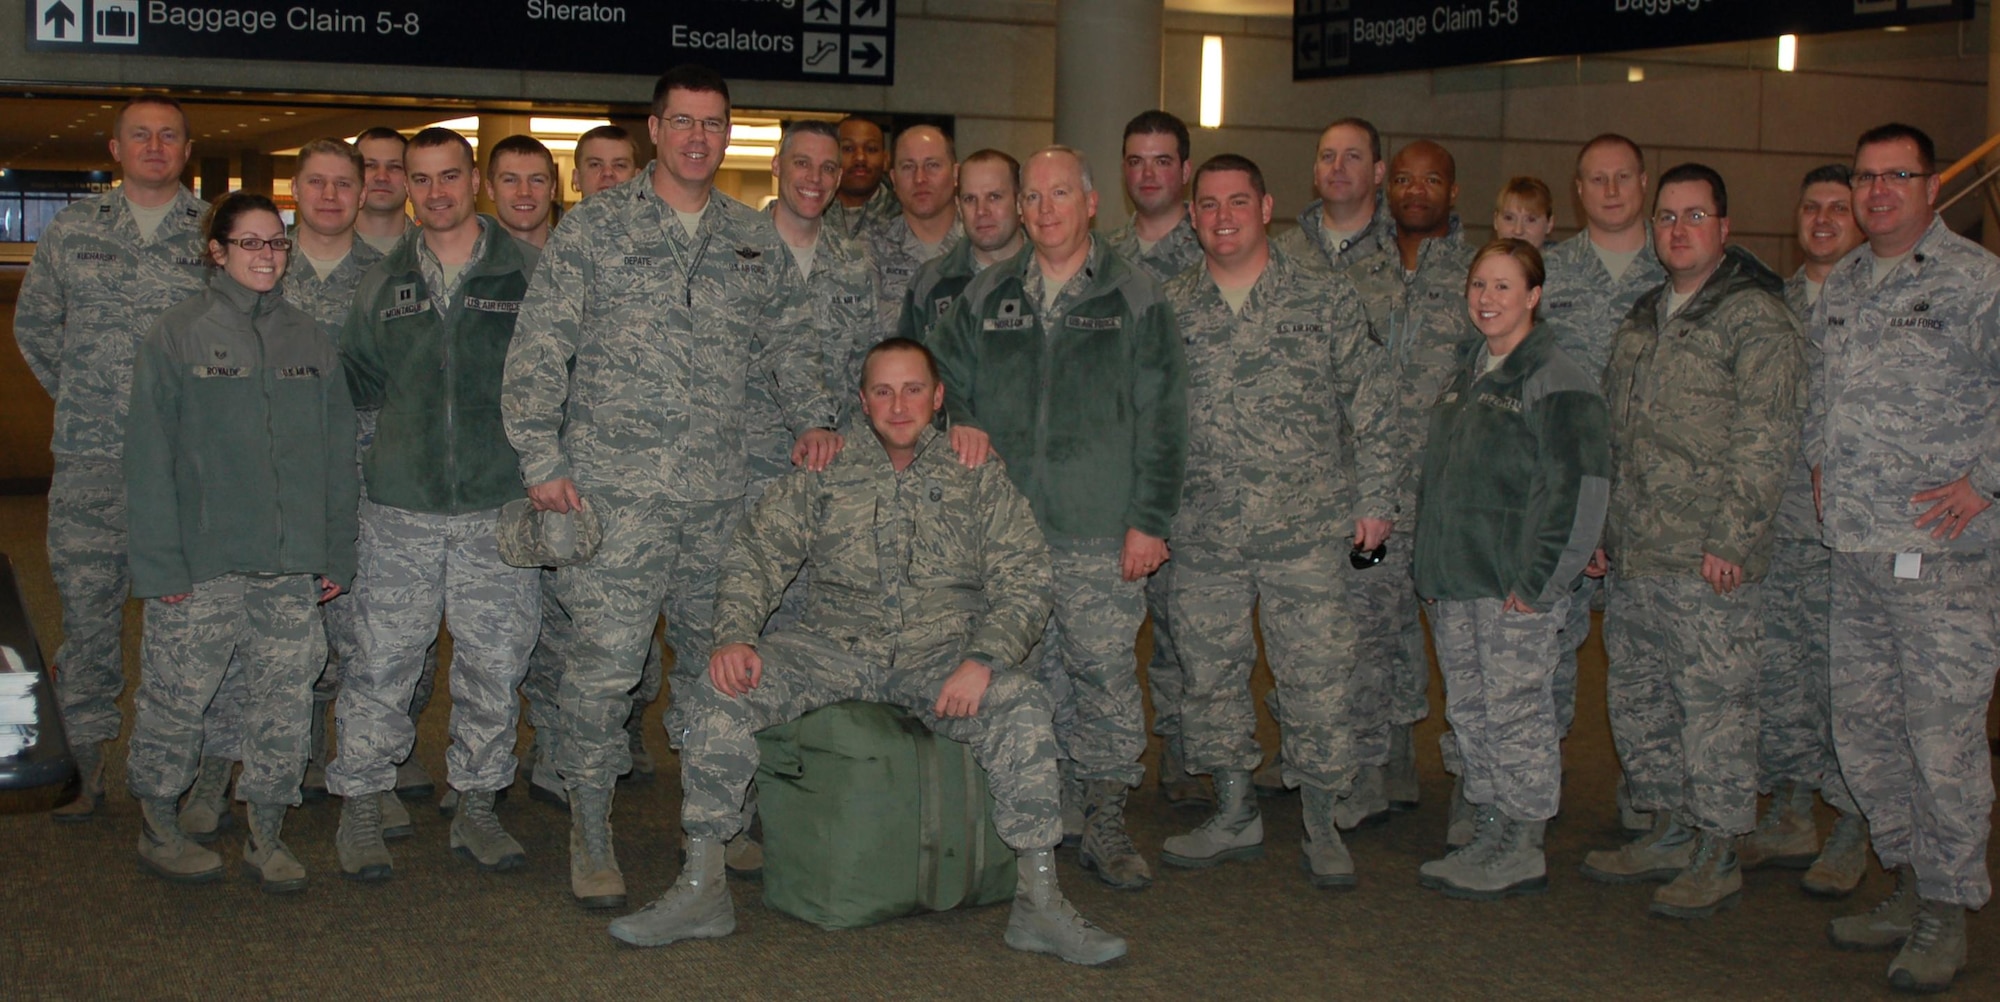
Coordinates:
(239, 452)
(1087, 402)
(439, 447)
(1516, 477)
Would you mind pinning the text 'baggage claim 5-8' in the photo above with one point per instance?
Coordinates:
(334, 21)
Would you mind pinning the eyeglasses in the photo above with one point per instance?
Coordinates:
(279, 244)
(1362, 559)
(1862, 179)
(1694, 219)
(682, 123)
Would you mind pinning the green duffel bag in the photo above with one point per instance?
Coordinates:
(869, 816)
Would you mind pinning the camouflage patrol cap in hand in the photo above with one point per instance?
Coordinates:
(530, 538)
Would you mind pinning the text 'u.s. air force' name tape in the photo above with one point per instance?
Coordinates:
(493, 305)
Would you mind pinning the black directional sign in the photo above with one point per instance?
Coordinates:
(839, 41)
(1334, 38)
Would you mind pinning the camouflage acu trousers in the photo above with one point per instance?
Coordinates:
(655, 554)
(1912, 672)
(545, 664)
(1309, 641)
(416, 568)
(1499, 694)
(1682, 693)
(1011, 736)
(1392, 674)
(1570, 639)
(272, 624)
(1794, 703)
(1087, 660)
(1165, 678)
(86, 539)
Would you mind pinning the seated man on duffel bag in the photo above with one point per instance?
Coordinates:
(930, 582)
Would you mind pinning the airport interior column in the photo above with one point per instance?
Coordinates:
(1107, 70)
(1991, 231)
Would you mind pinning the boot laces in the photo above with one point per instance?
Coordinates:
(481, 819)
(1926, 930)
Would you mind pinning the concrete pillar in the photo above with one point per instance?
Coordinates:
(259, 172)
(1107, 70)
(214, 178)
(492, 129)
(1990, 232)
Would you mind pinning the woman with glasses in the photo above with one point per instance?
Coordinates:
(1515, 477)
(239, 473)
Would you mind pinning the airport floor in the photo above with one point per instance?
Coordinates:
(80, 920)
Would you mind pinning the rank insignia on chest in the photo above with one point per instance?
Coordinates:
(406, 294)
(1010, 308)
(219, 354)
(933, 491)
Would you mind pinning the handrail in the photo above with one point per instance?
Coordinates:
(1970, 160)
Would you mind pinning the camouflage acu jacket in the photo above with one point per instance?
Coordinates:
(897, 254)
(1581, 302)
(1268, 391)
(1174, 253)
(93, 290)
(1906, 378)
(1705, 411)
(666, 331)
(935, 559)
(841, 297)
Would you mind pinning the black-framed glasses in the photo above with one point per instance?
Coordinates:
(254, 244)
(1363, 559)
(1862, 179)
(682, 123)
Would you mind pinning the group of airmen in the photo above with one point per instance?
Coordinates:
(786, 431)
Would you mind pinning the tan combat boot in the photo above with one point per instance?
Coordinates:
(1711, 883)
(358, 840)
(1786, 836)
(90, 784)
(1106, 849)
(1660, 854)
(1842, 861)
(205, 813)
(1234, 831)
(594, 877)
(164, 850)
(1043, 921)
(1935, 952)
(476, 835)
(1324, 855)
(1884, 926)
(696, 907)
(266, 855)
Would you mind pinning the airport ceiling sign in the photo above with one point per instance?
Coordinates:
(836, 41)
(1333, 38)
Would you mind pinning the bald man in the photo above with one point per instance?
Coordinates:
(926, 171)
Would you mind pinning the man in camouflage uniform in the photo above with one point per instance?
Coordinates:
(666, 298)
(865, 198)
(1594, 278)
(1706, 390)
(327, 264)
(605, 157)
(1411, 276)
(1902, 439)
(1280, 363)
(102, 272)
(1067, 363)
(1160, 239)
(383, 219)
(925, 229)
(834, 268)
(1795, 753)
(989, 210)
(1349, 216)
(930, 583)
(437, 474)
